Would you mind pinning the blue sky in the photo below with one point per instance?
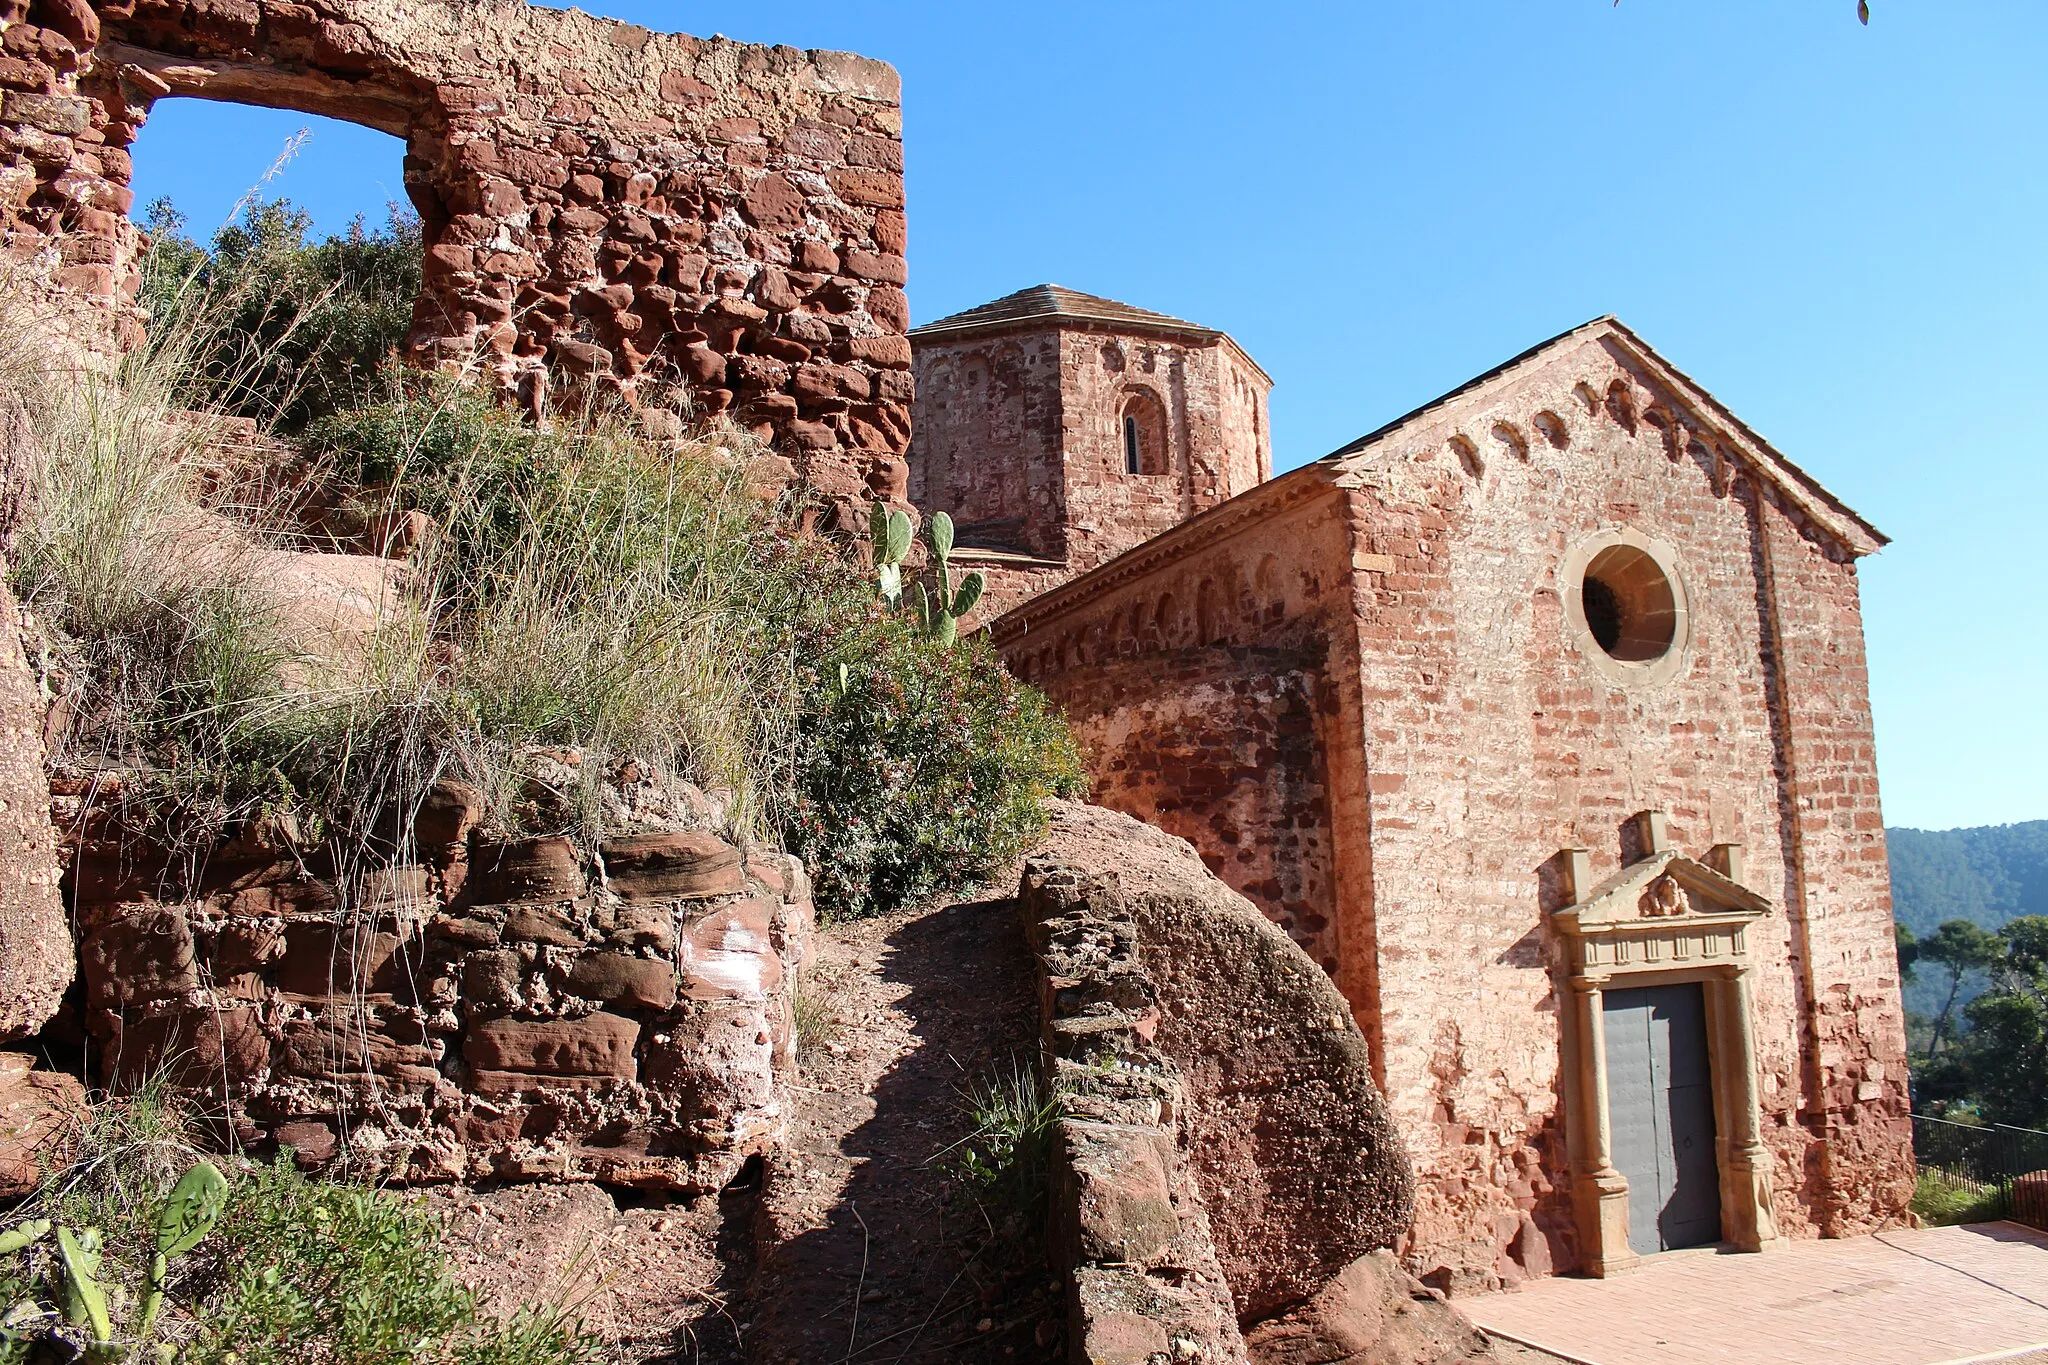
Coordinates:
(1839, 230)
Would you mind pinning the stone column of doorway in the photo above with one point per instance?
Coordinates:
(1600, 1192)
(1747, 1217)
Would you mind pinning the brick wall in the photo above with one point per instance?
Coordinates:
(601, 203)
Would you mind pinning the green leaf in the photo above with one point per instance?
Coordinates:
(940, 530)
(898, 538)
(21, 1235)
(889, 577)
(195, 1205)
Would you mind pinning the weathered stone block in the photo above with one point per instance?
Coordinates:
(730, 955)
(680, 864)
(623, 981)
(142, 953)
(596, 1045)
(1123, 1192)
(524, 870)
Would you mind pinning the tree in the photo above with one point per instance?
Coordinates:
(2004, 1062)
(280, 327)
(1908, 948)
(1962, 947)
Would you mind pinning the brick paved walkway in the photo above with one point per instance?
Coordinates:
(1937, 1296)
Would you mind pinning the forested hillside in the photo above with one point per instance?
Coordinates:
(1987, 875)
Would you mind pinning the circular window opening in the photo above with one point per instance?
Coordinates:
(1630, 606)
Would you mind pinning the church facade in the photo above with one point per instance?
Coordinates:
(1539, 718)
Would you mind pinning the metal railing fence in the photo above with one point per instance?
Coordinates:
(2002, 1169)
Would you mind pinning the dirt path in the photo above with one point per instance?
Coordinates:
(869, 1249)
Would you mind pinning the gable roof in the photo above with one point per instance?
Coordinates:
(1057, 301)
(1836, 516)
(1306, 481)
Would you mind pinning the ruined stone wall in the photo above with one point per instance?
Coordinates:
(1199, 689)
(987, 448)
(1493, 741)
(600, 203)
(500, 1009)
(1123, 1206)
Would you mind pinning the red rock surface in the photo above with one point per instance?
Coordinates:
(36, 959)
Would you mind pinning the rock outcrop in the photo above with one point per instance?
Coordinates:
(1224, 1157)
(1371, 1313)
(36, 959)
(1297, 1159)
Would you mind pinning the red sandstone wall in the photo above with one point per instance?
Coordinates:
(1219, 746)
(1491, 744)
(1854, 1081)
(987, 450)
(600, 202)
(501, 1009)
(1200, 695)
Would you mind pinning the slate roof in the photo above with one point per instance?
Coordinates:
(1055, 301)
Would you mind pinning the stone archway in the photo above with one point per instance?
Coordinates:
(600, 203)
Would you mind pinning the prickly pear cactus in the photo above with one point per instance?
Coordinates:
(889, 537)
(940, 611)
(84, 1298)
(195, 1204)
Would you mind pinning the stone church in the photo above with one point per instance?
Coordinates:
(1538, 716)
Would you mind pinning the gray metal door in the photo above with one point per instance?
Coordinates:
(1660, 1102)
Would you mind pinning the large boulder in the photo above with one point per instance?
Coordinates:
(36, 958)
(1294, 1152)
(1372, 1313)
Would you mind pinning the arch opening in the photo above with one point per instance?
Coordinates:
(1141, 435)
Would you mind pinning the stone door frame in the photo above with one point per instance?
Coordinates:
(1663, 920)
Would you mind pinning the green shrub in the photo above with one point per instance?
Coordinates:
(921, 767)
(1942, 1201)
(317, 1272)
(295, 1272)
(293, 328)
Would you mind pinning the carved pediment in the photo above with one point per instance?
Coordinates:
(1663, 912)
(1665, 886)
